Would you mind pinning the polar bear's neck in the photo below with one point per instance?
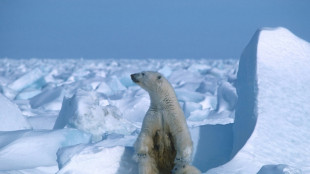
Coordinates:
(164, 99)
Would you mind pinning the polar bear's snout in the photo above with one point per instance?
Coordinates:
(134, 77)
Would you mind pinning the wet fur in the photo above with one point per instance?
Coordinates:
(163, 152)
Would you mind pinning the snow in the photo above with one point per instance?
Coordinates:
(113, 155)
(83, 116)
(272, 115)
(111, 160)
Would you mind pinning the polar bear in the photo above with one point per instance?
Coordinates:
(164, 145)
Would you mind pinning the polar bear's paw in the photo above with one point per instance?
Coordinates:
(184, 157)
(141, 155)
(185, 169)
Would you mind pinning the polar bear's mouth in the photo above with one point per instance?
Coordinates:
(133, 78)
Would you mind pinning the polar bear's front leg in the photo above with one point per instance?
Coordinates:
(184, 148)
(147, 165)
(143, 145)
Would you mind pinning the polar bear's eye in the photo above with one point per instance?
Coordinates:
(143, 74)
(158, 77)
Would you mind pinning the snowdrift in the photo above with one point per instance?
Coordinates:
(272, 122)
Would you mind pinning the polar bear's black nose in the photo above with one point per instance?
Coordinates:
(134, 78)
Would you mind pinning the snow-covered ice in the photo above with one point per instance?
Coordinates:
(83, 116)
(272, 123)
(30, 149)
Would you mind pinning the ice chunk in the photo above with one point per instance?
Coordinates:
(191, 86)
(226, 101)
(115, 84)
(210, 102)
(272, 114)
(209, 84)
(279, 169)
(37, 170)
(190, 107)
(189, 96)
(11, 117)
(133, 105)
(27, 79)
(210, 117)
(198, 115)
(126, 81)
(124, 76)
(181, 76)
(83, 111)
(112, 88)
(212, 145)
(220, 73)
(42, 122)
(8, 92)
(118, 140)
(226, 97)
(94, 85)
(104, 88)
(30, 149)
(47, 96)
(28, 93)
(165, 71)
(200, 68)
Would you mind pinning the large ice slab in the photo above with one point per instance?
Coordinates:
(11, 117)
(212, 145)
(47, 96)
(31, 149)
(33, 77)
(272, 123)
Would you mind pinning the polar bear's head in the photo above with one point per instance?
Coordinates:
(151, 81)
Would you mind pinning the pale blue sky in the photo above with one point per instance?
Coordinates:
(142, 28)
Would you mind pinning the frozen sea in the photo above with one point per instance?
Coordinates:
(80, 116)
